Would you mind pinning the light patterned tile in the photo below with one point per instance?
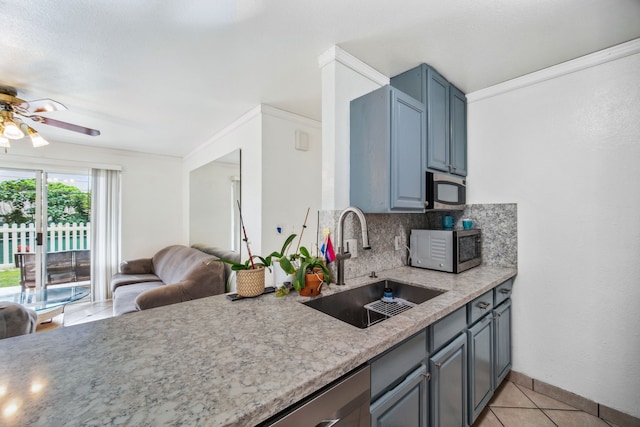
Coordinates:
(522, 417)
(574, 419)
(509, 395)
(487, 419)
(545, 402)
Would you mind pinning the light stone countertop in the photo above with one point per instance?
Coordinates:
(208, 362)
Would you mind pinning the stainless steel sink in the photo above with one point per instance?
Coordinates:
(348, 306)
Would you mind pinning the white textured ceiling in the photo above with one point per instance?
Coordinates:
(164, 76)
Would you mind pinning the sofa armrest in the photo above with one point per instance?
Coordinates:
(137, 266)
(158, 297)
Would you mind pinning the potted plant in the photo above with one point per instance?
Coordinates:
(283, 267)
(249, 275)
(311, 274)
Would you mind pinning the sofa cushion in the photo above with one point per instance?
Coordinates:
(137, 266)
(121, 279)
(124, 298)
(219, 253)
(173, 263)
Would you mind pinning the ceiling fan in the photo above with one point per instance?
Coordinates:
(14, 109)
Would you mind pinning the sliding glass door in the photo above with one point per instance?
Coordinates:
(44, 229)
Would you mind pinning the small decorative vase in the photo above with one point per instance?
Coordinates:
(250, 283)
(312, 284)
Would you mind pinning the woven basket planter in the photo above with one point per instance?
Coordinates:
(250, 283)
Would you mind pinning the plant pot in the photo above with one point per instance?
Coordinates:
(250, 283)
(312, 284)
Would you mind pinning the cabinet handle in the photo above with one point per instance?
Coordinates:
(483, 305)
(496, 314)
(505, 290)
(328, 423)
(427, 375)
(438, 365)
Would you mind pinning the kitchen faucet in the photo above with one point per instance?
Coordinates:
(341, 256)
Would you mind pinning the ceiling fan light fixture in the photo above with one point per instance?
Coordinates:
(11, 130)
(37, 140)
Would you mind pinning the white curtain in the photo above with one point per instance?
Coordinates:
(105, 231)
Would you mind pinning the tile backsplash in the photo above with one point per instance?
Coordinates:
(497, 221)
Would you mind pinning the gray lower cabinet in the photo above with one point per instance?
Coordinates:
(481, 363)
(468, 354)
(387, 152)
(448, 385)
(405, 405)
(502, 338)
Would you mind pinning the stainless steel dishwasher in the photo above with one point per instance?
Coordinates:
(345, 403)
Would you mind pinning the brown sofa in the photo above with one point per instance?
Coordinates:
(174, 274)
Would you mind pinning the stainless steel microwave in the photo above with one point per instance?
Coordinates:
(453, 251)
(445, 192)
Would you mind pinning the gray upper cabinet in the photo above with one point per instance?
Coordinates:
(388, 157)
(458, 136)
(446, 108)
(437, 121)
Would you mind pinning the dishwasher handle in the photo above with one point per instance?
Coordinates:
(328, 423)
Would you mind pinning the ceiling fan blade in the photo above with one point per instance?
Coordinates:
(43, 106)
(65, 125)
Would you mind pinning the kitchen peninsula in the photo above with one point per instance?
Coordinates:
(209, 361)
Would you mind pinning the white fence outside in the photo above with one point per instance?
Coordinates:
(60, 237)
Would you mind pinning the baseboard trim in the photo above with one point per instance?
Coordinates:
(597, 409)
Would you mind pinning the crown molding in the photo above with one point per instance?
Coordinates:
(335, 53)
(597, 58)
(250, 115)
(288, 115)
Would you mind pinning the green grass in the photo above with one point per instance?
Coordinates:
(10, 278)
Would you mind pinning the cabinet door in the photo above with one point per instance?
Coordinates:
(458, 139)
(448, 391)
(438, 121)
(408, 154)
(502, 338)
(481, 351)
(405, 405)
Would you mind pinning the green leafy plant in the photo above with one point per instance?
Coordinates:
(247, 265)
(285, 262)
(309, 263)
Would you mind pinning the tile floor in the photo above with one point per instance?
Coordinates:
(516, 406)
(79, 312)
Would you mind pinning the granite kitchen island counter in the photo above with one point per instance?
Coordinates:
(209, 362)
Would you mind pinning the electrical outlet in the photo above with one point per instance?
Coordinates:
(397, 243)
(352, 247)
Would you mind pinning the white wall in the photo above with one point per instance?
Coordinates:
(151, 219)
(291, 180)
(274, 175)
(344, 78)
(245, 134)
(567, 151)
